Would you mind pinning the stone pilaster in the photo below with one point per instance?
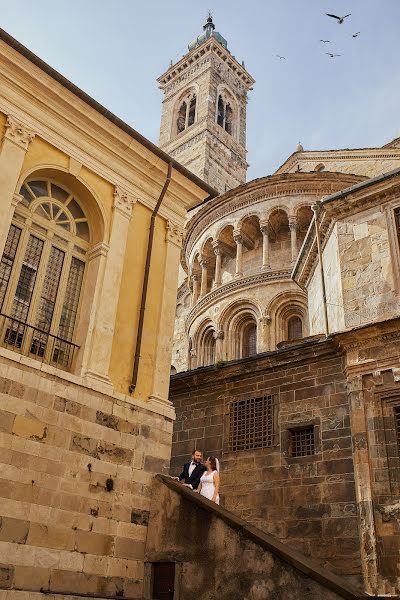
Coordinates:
(12, 154)
(162, 367)
(103, 331)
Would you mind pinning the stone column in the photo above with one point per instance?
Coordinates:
(15, 145)
(239, 253)
(162, 365)
(103, 331)
(203, 290)
(265, 230)
(293, 237)
(195, 289)
(218, 261)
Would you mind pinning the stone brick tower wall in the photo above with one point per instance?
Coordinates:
(215, 85)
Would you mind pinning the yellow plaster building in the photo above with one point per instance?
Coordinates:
(91, 225)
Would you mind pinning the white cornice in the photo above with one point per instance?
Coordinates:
(357, 154)
(210, 45)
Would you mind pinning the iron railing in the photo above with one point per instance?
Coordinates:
(36, 343)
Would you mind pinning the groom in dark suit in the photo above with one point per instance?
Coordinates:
(193, 470)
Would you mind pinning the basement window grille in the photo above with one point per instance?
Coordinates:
(302, 442)
(397, 422)
(251, 423)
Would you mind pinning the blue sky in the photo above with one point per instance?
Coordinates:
(115, 49)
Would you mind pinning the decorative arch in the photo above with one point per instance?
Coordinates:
(88, 198)
(47, 254)
(204, 342)
(284, 307)
(304, 216)
(239, 322)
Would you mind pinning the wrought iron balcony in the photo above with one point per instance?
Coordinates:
(34, 342)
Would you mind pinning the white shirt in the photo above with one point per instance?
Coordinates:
(192, 467)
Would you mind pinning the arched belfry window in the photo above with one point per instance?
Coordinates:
(295, 328)
(225, 114)
(41, 273)
(186, 115)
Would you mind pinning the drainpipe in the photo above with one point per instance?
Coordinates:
(135, 370)
(316, 208)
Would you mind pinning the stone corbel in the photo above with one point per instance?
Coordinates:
(219, 335)
(174, 234)
(123, 202)
(18, 133)
(17, 198)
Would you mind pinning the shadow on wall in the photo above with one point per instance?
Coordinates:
(196, 549)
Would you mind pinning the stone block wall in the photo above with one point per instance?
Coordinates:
(218, 555)
(308, 502)
(76, 469)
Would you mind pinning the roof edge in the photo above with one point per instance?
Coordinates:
(102, 110)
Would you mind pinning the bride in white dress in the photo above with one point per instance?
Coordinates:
(209, 482)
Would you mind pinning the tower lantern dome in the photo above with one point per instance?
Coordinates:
(209, 31)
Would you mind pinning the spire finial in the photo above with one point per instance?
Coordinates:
(209, 22)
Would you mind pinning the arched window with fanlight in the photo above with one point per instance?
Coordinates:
(295, 328)
(42, 271)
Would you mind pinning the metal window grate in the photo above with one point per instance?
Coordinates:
(7, 259)
(302, 441)
(251, 423)
(397, 422)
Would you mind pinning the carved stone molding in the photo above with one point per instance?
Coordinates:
(174, 234)
(123, 202)
(390, 512)
(219, 335)
(17, 198)
(18, 133)
(232, 286)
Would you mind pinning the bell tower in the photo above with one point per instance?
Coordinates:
(203, 122)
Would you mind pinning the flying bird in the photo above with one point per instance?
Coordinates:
(280, 57)
(340, 20)
(326, 41)
(356, 34)
(332, 55)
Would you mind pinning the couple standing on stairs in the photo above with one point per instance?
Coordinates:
(202, 478)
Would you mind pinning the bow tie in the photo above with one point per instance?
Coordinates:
(193, 463)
